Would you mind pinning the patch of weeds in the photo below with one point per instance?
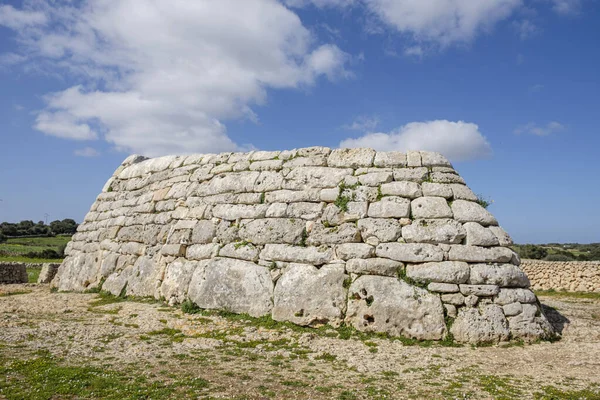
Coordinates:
(499, 387)
(483, 201)
(15, 293)
(410, 281)
(326, 357)
(174, 334)
(295, 383)
(262, 198)
(304, 237)
(347, 395)
(189, 307)
(551, 392)
(379, 194)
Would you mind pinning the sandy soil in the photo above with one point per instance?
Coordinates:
(244, 359)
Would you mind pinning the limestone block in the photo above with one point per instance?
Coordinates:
(133, 248)
(384, 229)
(302, 178)
(456, 299)
(390, 207)
(507, 296)
(512, 309)
(446, 177)
(346, 251)
(477, 235)
(530, 325)
(462, 192)
(203, 232)
(117, 281)
(375, 178)
(479, 290)
(434, 231)
(480, 254)
(235, 182)
(306, 295)
(134, 233)
(272, 230)
(239, 156)
(314, 161)
(145, 278)
(374, 266)
(503, 237)
(468, 211)
(264, 155)
(486, 324)
(344, 233)
(178, 275)
(277, 210)
(407, 189)
(413, 159)
(432, 159)
(436, 190)
(268, 181)
(292, 196)
(411, 174)
(409, 252)
(175, 250)
(430, 207)
(241, 250)
(305, 210)
(233, 212)
(202, 251)
(266, 165)
(451, 310)
(390, 159)
(313, 151)
(329, 195)
(442, 287)
(385, 304)
(353, 158)
(296, 254)
(234, 285)
(504, 275)
(444, 271)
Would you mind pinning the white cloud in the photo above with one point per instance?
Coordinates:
(161, 77)
(363, 123)
(8, 59)
(525, 28)
(442, 21)
(534, 129)
(566, 7)
(87, 152)
(459, 141)
(320, 3)
(17, 19)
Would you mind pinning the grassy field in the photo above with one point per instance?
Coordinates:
(15, 249)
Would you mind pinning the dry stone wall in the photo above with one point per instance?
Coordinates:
(13, 272)
(383, 241)
(571, 276)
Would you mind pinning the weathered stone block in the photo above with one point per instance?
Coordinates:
(374, 266)
(468, 211)
(409, 252)
(484, 325)
(504, 275)
(407, 189)
(306, 295)
(434, 231)
(384, 229)
(353, 158)
(385, 304)
(444, 271)
(234, 285)
(296, 254)
(346, 251)
(390, 207)
(430, 207)
(480, 254)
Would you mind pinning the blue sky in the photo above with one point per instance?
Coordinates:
(507, 89)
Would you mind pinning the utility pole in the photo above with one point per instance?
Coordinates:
(46, 215)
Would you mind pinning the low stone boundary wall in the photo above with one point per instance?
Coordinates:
(572, 276)
(13, 273)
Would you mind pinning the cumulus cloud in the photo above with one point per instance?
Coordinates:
(13, 18)
(459, 141)
(566, 7)
(87, 152)
(525, 29)
(163, 76)
(543, 130)
(363, 123)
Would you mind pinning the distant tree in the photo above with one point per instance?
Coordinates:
(532, 251)
(558, 257)
(2, 237)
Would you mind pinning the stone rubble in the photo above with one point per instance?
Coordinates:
(382, 241)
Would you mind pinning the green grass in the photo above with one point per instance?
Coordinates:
(30, 260)
(576, 295)
(33, 274)
(14, 249)
(46, 377)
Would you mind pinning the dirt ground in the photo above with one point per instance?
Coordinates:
(73, 345)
